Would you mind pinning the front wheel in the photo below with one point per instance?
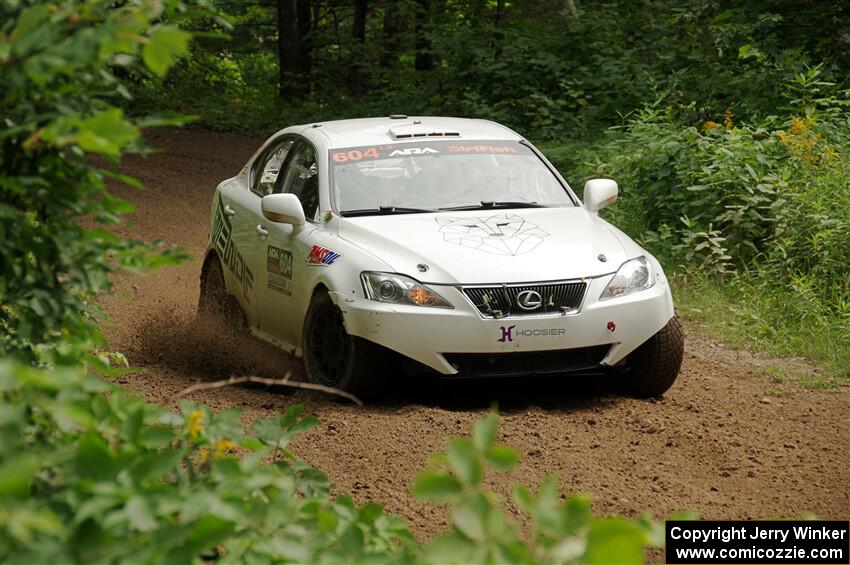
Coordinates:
(655, 365)
(335, 359)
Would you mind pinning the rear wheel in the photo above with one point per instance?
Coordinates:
(215, 303)
(655, 365)
(335, 359)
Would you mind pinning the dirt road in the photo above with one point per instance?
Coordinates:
(726, 441)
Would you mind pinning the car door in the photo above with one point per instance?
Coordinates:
(286, 248)
(236, 242)
(240, 241)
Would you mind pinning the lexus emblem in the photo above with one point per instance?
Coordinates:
(529, 300)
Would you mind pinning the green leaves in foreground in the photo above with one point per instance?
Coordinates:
(552, 529)
(89, 473)
(67, 67)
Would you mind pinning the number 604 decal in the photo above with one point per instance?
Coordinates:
(355, 155)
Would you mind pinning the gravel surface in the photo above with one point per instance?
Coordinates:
(726, 441)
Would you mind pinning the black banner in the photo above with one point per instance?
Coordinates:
(758, 541)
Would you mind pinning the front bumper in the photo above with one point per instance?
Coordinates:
(428, 334)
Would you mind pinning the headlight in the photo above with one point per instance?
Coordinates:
(399, 289)
(632, 276)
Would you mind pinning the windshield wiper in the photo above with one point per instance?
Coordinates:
(487, 204)
(384, 211)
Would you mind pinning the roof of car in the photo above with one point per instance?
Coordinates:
(399, 129)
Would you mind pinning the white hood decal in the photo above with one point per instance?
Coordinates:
(498, 234)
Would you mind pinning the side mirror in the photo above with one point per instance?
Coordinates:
(283, 209)
(599, 194)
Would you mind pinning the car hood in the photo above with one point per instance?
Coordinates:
(492, 246)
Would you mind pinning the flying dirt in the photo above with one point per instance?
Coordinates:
(726, 441)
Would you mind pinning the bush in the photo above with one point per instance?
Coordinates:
(62, 68)
(770, 197)
(762, 207)
(89, 473)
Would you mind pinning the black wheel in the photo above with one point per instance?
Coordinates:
(335, 359)
(655, 365)
(215, 303)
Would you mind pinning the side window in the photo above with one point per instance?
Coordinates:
(301, 178)
(266, 172)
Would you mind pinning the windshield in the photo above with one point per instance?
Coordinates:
(438, 175)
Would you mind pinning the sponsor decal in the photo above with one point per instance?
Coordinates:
(346, 155)
(508, 333)
(322, 256)
(413, 151)
(499, 234)
(229, 253)
(481, 149)
(279, 269)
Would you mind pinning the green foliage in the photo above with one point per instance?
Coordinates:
(557, 530)
(527, 64)
(763, 209)
(780, 318)
(62, 67)
(89, 473)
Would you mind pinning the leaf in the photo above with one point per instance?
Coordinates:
(156, 436)
(16, 474)
(576, 514)
(154, 465)
(436, 486)
(450, 548)
(614, 540)
(524, 498)
(207, 532)
(501, 457)
(326, 520)
(463, 460)
(165, 44)
(106, 132)
(94, 458)
(139, 514)
(484, 432)
(470, 517)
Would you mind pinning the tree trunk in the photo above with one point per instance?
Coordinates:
(393, 26)
(294, 53)
(500, 8)
(424, 56)
(358, 31)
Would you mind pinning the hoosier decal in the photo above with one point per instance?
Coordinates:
(230, 255)
(279, 269)
(322, 256)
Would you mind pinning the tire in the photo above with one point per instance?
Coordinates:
(335, 359)
(655, 365)
(215, 303)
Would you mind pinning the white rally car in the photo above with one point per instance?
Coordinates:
(452, 242)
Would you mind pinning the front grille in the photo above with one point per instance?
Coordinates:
(507, 300)
(524, 362)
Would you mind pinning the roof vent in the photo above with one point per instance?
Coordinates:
(414, 132)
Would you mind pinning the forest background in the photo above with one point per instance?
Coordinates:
(725, 123)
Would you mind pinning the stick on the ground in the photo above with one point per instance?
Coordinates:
(264, 381)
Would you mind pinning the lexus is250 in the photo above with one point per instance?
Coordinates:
(451, 243)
